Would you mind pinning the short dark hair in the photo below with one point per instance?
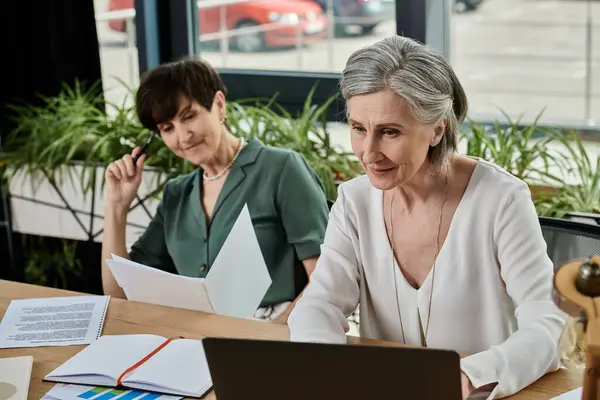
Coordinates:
(157, 98)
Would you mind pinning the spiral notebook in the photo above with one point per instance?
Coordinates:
(154, 363)
(53, 321)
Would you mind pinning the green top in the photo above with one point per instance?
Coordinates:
(287, 205)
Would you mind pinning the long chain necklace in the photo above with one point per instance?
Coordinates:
(434, 262)
(220, 174)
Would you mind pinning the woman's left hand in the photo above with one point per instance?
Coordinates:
(467, 387)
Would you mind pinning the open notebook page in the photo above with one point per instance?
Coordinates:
(150, 285)
(179, 368)
(102, 362)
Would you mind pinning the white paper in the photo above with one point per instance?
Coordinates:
(53, 321)
(79, 392)
(151, 285)
(239, 278)
(235, 285)
(15, 376)
(104, 361)
(572, 395)
(179, 368)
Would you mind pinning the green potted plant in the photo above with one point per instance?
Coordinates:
(580, 190)
(46, 265)
(521, 150)
(76, 127)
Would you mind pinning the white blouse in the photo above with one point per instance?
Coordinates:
(493, 282)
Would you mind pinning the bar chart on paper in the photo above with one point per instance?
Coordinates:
(80, 392)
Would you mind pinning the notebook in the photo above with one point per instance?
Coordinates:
(145, 362)
(15, 375)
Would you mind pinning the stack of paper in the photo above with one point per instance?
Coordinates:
(15, 375)
(53, 321)
(235, 285)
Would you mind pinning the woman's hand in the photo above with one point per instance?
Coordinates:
(123, 180)
(467, 387)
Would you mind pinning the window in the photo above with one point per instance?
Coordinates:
(263, 47)
(293, 35)
(524, 56)
(115, 24)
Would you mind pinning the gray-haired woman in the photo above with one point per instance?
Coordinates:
(439, 250)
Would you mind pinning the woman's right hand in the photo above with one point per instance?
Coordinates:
(123, 181)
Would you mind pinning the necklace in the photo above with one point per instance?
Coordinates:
(432, 270)
(220, 174)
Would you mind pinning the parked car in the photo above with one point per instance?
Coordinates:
(466, 5)
(366, 14)
(291, 15)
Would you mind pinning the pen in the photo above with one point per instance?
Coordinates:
(144, 147)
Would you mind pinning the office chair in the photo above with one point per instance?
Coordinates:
(568, 240)
(588, 218)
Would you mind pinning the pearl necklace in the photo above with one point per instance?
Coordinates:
(228, 167)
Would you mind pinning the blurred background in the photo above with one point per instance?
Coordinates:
(520, 56)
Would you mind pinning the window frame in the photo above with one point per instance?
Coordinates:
(165, 31)
(171, 36)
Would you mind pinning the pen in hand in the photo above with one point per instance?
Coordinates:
(144, 148)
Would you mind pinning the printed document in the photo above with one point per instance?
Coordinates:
(53, 321)
(234, 286)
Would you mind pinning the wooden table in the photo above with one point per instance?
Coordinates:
(126, 317)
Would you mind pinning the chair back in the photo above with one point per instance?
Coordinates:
(569, 240)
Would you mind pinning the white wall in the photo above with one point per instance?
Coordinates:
(40, 219)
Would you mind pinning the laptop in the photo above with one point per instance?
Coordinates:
(265, 369)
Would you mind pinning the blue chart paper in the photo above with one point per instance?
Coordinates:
(81, 392)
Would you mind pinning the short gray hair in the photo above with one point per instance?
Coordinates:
(418, 74)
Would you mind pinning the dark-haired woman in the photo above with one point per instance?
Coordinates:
(185, 101)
